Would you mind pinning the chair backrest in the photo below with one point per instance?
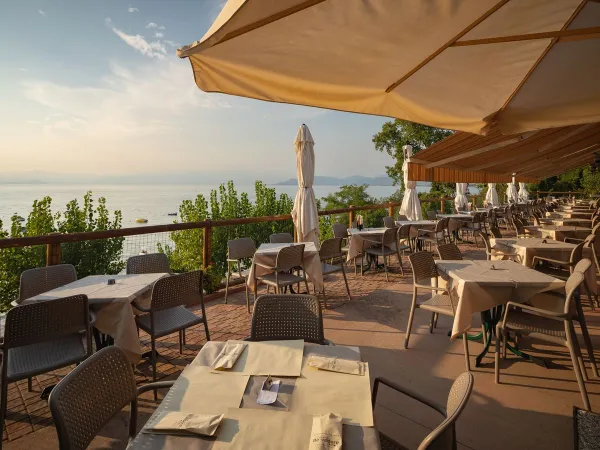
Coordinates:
(449, 252)
(330, 249)
(404, 232)
(340, 230)
(281, 238)
(150, 263)
(402, 217)
(444, 435)
(496, 232)
(431, 215)
(240, 248)
(577, 253)
(182, 289)
(287, 317)
(290, 257)
(586, 429)
(389, 222)
(441, 224)
(43, 279)
(582, 266)
(572, 288)
(389, 236)
(423, 266)
(90, 395)
(486, 242)
(518, 225)
(44, 321)
(452, 225)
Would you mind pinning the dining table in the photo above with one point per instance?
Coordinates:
(416, 225)
(572, 222)
(569, 214)
(479, 286)
(266, 254)
(558, 232)
(111, 303)
(286, 423)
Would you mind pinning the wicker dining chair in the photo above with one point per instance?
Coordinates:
(474, 226)
(449, 252)
(329, 253)
(281, 238)
(586, 429)
(435, 236)
(281, 276)
(85, 400)
(43, 279)
(389, 222)
(385, 248)
(404, 240)
(558, 268)
(402, 217)
(424, 274)
(549, 326)
(444, 435)
(431, 214)
(168, 314)
(492, 252)
(238, 251)
(149, 263)
(495, 231)
(42, 337)
(280, 317)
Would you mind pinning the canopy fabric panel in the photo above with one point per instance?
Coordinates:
(470, 158)
(461, 64)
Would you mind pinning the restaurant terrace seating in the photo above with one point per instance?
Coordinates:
(239, 251)
(149, 263)
(280, 275)
(281, 238)
(384, 249)
(332, 261)
(43, 279)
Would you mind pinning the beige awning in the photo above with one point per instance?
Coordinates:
(461, 65)
(471, 158)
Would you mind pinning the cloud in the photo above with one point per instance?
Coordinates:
(42, 12)
(172, 43)
(159, 35)
(22, 69)
(154, 49)
(132, 10)
(151, 100)
(152, 25)
(162, 27)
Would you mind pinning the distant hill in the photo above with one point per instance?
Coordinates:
(335, 181)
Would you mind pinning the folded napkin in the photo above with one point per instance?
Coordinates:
(326, 432)
(176, 422)
(337, 365)
(229, 355)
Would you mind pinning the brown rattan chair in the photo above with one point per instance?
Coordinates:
(425, 271)
(43, 279)
(444, 435)
(288, 258)
(473, 227)
(341, 231)
(281, 238)
(93, 393)
(494, 252)
(238, 251)
(41, 337)
(549, 326)
(556, 268)
(495, 231)
(287, 317)
(329, 253)
(384, 248)
(586, 429)
(403, 239)
(436, 236)
(431, 215)
(150, 263)
(389, 222)
(168, 314)
(449, 252)
(402, 217)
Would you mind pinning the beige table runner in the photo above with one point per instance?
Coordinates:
(267, 254)
(476, 287)
(112, 304)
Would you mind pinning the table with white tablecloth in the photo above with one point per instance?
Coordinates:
(357, 240)
(267, 255)
(569, 215)
(557, 232)
(569, 222)
(112, 304)
(416, 225)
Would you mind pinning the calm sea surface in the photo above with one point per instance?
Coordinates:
(151, 202)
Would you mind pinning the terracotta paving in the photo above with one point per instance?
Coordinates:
(531, 408)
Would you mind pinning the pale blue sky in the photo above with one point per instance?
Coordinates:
(94, 86)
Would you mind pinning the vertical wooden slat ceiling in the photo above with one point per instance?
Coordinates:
(470, 158)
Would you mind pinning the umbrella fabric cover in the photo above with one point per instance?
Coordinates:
(491, 196)
(461, 201)
(523, 193)
(411, 206)
(511, 192)
(304, 214)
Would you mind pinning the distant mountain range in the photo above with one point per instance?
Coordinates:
(335, 181)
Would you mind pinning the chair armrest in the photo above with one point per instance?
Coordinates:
(537, 259)
(574, 240)
(155, 385)
(133, 413)
(93, 318)
(328, 342)
(538, 311)
(371, 241)
(406, 391)
(265, 266)
(432, 288)
(137, 306)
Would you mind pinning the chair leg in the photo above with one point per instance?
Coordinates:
(247, 298)
(387, 277)
(306, 286)
(411, 316)
(227, 286)
(400, 262)
(153, 358)
(431, 323)
(29, 384)
(346, 281)
(588, 346)
(3, 407)
(466, 345)
(504, 338)
(206, 332)
(324, 296)
(497, 354)
(577, 348)
(180, 343)
(435, 320)
(571, 345)
(183, 336)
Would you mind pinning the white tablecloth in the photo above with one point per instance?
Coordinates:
(267, 254)
(358, 237)
(572, 222)
(528, 248)
(112, 304)
(569, 214)
(476, 287)
(558, 233)
(415, 225)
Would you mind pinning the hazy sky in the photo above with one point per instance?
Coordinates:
(90, 86)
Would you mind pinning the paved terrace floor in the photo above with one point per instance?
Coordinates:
(531, 409)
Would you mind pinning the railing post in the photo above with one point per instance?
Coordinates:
(537, 195)
(442, 205)
(350, 217)
(206, 244)
(53, 253)
(391, 211)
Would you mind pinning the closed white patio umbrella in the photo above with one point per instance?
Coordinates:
(511, 192)
(304, 214)
(411, 206)
(460, 64)
(523, 193)
(491, 196)
(461, 201)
